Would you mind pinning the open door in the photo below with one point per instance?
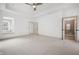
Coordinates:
(69, 28)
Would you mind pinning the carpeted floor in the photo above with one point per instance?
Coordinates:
(38, 45)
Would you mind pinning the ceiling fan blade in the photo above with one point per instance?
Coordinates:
(28, 4)
(34, 5)
(39, 3)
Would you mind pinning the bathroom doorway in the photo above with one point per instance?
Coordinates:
(69, 28)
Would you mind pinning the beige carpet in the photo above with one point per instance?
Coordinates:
(38, 45)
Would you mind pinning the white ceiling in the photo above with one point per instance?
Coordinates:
(46, 6)
(28, 10)
(24, 8)
(52, 7)
(19, 7)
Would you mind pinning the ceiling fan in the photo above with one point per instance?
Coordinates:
(34, 5)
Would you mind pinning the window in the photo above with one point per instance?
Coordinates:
(7, 25)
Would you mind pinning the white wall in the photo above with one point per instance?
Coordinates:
(49, 20)
(50, 23)
(20, 20)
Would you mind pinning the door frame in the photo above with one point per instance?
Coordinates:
(32, 28)
(63, 25)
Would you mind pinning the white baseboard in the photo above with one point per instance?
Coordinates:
(12, 35)
(52, 36)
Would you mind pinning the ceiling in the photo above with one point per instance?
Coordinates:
(28, 10)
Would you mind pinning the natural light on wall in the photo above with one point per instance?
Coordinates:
(7, 25)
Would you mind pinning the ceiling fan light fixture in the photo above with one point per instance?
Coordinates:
(34, 6)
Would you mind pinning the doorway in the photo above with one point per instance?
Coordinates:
(69, 28)
(33, 27)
